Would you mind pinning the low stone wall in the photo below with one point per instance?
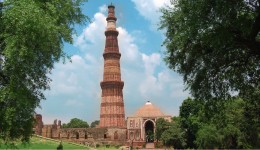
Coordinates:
(88, 136)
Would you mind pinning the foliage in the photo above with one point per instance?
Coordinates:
(189, 119)
(32, 33)
(174, 135)
(251, 124)
(230, 123)
(215, 45)
(218, 124)
(161, 126)
(94, 124)
(76, 123)
(208, 137)
(149, 136)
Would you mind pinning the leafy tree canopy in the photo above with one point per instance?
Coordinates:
(208, 137)
(215, 45)
(191, 118)
(161, 126)
(221, 124)
(76, 123)
(32, 33)
(174, 135)
(94, 124)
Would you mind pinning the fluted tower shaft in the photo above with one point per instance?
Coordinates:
(112, 113)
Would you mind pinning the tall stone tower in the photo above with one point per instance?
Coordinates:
(112, 113)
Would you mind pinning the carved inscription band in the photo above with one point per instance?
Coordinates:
(112, 116)
(112, 104)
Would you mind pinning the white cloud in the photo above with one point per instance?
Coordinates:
(93, 34)
(150, 9)
(151, 62)
(103, 9)
(127, 46)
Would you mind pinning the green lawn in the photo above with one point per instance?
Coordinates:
(40, 143)
(107, 148)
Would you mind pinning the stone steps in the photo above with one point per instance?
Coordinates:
(149, 146)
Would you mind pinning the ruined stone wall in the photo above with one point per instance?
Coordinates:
(46, 131)
(38, 125)
(87, 136)
(93, 136)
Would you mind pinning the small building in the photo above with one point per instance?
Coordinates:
(141, 126)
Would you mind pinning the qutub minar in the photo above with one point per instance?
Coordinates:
(112, 112)
(114, 128)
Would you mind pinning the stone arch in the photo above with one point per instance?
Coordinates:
(86, 135)
(115, 135)
(131, 135)
(137, 135)
(149, 126)
(148, 120)
(77, 135)
(68, 135)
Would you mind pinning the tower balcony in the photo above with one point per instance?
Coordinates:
(112, 84)
(111, 31)
(108, 55)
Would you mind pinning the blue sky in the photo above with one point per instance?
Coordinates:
(75, 87)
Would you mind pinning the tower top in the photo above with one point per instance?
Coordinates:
(111, 13)
(111, 5)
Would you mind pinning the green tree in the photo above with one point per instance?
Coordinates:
(150, 135)
(76, 123)
(161, 126)
(230, 124)
(251, 124)
(208, 137)
(174, 135)
(191, 117)
(94, 124)
(226, 119)
(32, 33)
(215, 45)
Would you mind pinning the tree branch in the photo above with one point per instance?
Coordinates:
(256, 27)
(3, 79)
(249, 41)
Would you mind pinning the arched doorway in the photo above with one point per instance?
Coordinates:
(86, 135)
(149, 131)
(68, 135)
(116, 135)
(77, 135)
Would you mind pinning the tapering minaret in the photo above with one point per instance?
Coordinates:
(112, 112)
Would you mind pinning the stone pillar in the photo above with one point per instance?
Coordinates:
(112, 113)
(39, 124)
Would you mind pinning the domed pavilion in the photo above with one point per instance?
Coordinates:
(141, 126)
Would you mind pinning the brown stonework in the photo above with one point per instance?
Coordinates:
(38, 125)
(86, 136)
(112, 113)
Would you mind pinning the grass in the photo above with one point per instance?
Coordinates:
(41, 143)
(107, 148)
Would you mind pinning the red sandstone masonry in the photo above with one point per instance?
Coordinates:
(112, 113)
